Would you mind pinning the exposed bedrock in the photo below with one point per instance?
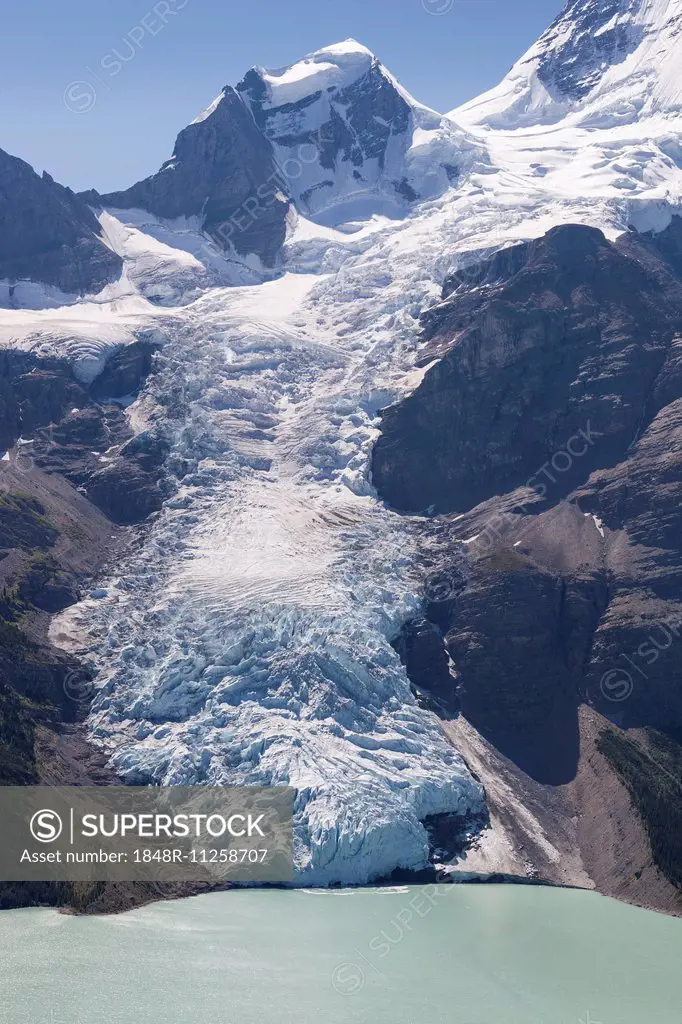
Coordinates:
(48, 234)
(422, 651)
(219, 163)
(551, 422)
(80, 431)
(565, 335)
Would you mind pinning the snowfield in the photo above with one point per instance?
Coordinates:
(247, 639)
(595, 106)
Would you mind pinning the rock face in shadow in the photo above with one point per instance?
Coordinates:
(423, 653)
(495, 637)
(219, 166)
(551, 423)
(553, 343)
(520, 633)
(48, 234)
(78, 473)
(81, 432)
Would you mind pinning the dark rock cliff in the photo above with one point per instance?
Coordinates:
(551, 424)
(48, 234)
(223, 172)
(80, 432)
(563, 335)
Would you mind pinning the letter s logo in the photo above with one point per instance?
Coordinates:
(46, 826)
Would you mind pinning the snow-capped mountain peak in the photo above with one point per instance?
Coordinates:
(592, 110)
(350, 140)
(615, 58)
(334, 136)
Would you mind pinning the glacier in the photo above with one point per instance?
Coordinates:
(246, 637)
(249, 639)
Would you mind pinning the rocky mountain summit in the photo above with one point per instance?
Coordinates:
(48, 234)
(349, 139)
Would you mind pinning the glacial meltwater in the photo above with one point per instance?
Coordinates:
(483, 954)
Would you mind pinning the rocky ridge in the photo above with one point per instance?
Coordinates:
(543, 441)
(219, 161)
(48, 234)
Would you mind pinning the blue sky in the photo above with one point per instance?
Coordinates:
(71, 107)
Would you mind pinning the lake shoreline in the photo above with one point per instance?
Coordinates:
(386, 885)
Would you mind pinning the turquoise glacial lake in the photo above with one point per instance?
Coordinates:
(484, 954)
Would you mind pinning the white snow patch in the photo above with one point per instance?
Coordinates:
(210, 109)
(597, 522)
(339, 64)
